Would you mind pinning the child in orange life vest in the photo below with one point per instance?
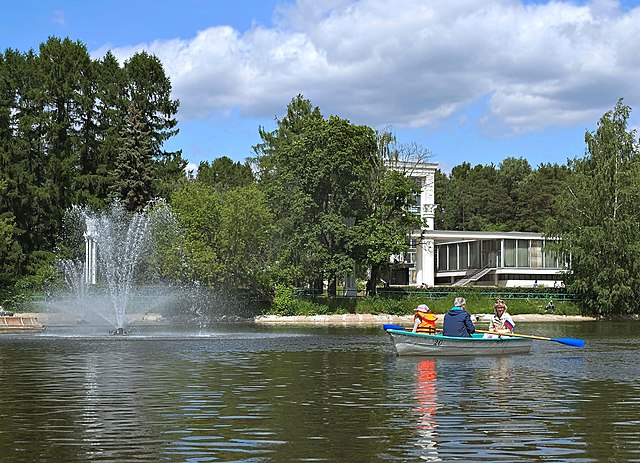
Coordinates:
(424, 320)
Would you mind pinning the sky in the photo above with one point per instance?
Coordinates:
(466, 80)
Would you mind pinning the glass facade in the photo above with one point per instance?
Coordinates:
(495, 253)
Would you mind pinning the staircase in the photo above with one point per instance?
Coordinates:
(473, 277)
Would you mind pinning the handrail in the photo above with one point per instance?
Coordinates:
(434, 294)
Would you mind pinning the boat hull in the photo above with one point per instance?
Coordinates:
(408, 343)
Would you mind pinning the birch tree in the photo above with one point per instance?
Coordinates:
(598, 218)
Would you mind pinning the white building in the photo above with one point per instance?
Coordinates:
(446, 257)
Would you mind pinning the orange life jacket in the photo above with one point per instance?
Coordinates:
(427, 322)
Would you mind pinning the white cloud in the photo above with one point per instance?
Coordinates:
(414, 63)
(59, 18)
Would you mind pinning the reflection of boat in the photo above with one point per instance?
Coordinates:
(13, 322)
(408, 343)
(427, 398)
(426, 392)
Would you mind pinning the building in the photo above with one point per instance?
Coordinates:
(447, 257)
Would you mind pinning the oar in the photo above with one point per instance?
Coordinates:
(566, 341)
(387, 326)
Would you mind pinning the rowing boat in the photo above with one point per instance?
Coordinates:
(409, 343)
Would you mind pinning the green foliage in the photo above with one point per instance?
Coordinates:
(289, 302)
(41, 273)
(512, 197)
(598, 218)
(314, 174)
(225, 174)
(335, 201)
(285, 304)
(474, 199)
(66, 137)
(134, 171)
(228, 236)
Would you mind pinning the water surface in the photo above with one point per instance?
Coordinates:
(248, 393)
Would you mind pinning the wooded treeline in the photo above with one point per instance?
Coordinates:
(317, 201)
(76, 131)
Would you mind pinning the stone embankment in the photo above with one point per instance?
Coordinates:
(60, 319)
(368, 319)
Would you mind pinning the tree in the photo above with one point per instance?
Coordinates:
(134, 172)
(338, 205)
(296, 243)
(598, 220)
(228, 236)
(475, 199)
(62, 116)
(316, 181)
(224, 174)
(383, 229)
(534, 197)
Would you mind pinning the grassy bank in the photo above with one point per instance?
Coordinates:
(287, 304)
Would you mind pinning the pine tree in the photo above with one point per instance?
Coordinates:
(134, 171)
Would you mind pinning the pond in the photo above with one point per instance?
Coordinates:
(251, 393)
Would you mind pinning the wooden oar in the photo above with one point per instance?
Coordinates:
(566, 341)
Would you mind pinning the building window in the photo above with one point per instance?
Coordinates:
(509, 253)
(535, 254)
(453, 257)
(522, 257)
(442, 258)
(474, 254)
(463, 250)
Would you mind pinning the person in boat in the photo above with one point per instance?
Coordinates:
(457, 321)
(424, 320)
(501, 322)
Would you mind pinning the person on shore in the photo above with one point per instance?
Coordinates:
(424, 321)
(501, 322)
(368, 291)
(457, 321)
(550, 306)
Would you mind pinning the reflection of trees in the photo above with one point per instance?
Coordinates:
(606, 421)
(62, 405)
(327, 406)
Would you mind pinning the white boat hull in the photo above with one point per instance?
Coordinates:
(408, 343)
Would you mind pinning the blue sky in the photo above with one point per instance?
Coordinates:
(470, 80)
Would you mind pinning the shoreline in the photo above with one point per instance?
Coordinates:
(60, 319)
(373, 320)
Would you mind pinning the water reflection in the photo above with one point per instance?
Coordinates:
(427, 399)
(247, 393)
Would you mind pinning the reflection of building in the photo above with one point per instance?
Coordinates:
(445, 257)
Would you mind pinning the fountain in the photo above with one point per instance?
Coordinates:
(113, 276)
(115, 241)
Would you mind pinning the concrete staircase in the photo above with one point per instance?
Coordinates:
(473, 277)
